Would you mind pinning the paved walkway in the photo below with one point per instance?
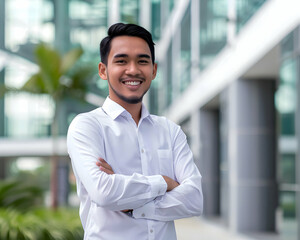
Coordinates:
(198, 229)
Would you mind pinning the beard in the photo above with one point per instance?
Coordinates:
(130, 100)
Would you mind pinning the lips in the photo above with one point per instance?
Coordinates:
(132, 83)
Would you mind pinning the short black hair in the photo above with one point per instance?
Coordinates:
(121, 29)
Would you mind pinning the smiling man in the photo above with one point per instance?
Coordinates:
(135, 172)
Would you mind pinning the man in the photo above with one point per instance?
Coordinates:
(135, 172)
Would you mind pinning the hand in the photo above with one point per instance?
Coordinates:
(127, 210)
(171, 183)
(104, 166)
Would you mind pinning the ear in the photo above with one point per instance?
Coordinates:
(154, 70)
(102, 71)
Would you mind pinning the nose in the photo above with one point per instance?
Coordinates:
(133, 69)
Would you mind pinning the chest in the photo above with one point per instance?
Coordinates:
(146, 149)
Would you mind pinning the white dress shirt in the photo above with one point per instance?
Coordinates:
(139, 156)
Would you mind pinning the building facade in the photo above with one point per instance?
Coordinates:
(228, 73)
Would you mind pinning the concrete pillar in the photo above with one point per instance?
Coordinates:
(2, 168)
(62, 43)
(210, 161)
(251, 155)
(63, 181)
(224, 168)
(113, 12)
(62, 25)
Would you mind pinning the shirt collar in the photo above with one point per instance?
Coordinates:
(114, 110)
(145, 114)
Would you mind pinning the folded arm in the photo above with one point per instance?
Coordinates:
(115, 192)
(181, 200)
(186, 200)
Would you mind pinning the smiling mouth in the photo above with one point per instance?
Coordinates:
(132, 82)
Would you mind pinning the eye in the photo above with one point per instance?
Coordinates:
(143, 61)
(120, 61)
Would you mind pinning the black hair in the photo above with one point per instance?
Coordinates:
(121, 29)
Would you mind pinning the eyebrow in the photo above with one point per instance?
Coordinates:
(122, 55)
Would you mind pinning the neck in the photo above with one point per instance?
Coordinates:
(135, 110)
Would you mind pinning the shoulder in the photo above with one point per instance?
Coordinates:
(88, 121)
(164, 122)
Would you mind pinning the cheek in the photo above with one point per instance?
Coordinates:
(115, 73)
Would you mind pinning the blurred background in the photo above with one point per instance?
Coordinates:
(228, 73)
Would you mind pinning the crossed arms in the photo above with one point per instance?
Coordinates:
(152, 197)
(105, 167)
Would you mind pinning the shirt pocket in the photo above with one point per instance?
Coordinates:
(165, 159)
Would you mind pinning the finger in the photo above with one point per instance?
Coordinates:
(108, 171)
(105, 164)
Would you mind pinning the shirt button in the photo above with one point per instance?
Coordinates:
(142, 150)
(143, 214)
(151, 230)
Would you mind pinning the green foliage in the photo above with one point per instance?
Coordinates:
(59, 76)
(289, 210)
(40, 224)
(18, 195)
(20, 219)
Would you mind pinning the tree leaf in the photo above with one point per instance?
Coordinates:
(49, 61)
(70, 58)
(36, 84)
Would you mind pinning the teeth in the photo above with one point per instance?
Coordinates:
(132, 83)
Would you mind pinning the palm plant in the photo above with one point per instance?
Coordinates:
(59, 77)
(22, 217)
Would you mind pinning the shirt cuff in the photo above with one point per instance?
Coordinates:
(159, 188)
(158, 185)
(145, 211)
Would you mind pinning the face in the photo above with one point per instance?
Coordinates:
(129, 70)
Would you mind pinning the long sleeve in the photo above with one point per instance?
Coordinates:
(186, 200)
(114, 192)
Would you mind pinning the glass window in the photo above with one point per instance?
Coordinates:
(287, 168)
(26, 115)
(169, 69)
(286, 97)
(89, 21)
(213, 29)
(185, 53)
(167, 6)
(28, 22)
(88, 25)
(155, 26)
(130, 11)
(154, 94)
(246, 9)
(287, 45)
(288, 223)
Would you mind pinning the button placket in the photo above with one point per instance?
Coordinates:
(143, 153)
(151, 232)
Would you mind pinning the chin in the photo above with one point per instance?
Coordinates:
(133, 100)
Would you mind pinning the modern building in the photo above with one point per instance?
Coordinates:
(229, 74)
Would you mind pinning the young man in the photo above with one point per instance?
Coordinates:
(135, 172)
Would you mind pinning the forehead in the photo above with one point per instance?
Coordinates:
(128, 45)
